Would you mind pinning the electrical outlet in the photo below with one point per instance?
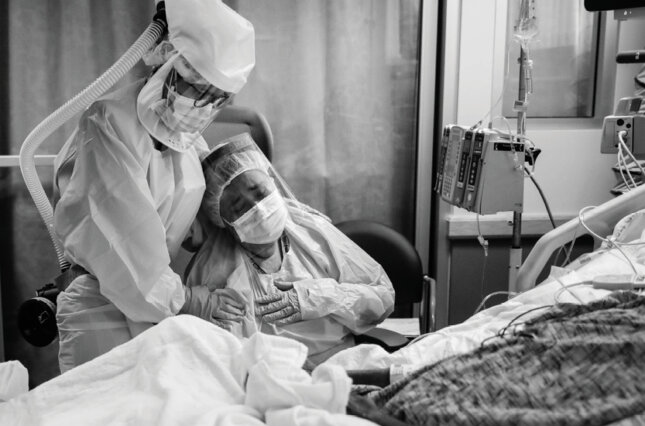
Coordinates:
(611, 127)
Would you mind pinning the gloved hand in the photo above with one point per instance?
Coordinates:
(279, 308)
(222, 303)
(224, 324)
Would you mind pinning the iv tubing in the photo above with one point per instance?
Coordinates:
(72, 107)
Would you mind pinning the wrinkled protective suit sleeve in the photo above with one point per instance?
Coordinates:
(107, 222)
(360, 295)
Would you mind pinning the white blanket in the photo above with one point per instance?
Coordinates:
(466, 336)
(14, 380)
(186, 371)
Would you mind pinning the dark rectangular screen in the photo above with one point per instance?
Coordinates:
(594, 5)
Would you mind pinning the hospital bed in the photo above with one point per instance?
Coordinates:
(186, 371)
(437, 385)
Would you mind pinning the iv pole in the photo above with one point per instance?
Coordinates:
(525, 24)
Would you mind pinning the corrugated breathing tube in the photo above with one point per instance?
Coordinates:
(72, 107)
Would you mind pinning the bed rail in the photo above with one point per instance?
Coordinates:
(600, 219)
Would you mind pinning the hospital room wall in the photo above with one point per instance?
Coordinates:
(571, 170)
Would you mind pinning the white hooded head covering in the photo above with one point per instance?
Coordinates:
(217, 41)
(219, 46)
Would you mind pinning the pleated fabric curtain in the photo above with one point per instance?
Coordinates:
(337, 80)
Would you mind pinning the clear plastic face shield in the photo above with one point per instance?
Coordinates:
(177, 103)
(191, 102)
(240, 169)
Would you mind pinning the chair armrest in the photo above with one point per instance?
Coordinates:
(387, 339)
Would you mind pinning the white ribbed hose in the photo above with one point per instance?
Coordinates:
(72, 107)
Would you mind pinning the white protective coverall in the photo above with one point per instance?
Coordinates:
(341, 289)
(122, 217)
(130, 201)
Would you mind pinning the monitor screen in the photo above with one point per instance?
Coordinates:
(594, 5)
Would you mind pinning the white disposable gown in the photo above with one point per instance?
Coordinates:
(122, 217)
(341, 289)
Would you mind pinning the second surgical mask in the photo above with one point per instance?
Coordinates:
(264, 222)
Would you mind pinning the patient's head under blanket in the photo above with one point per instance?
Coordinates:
(574, 364)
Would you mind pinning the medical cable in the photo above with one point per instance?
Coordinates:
(511, 135)
(611, 243)
(621, 139)
(484, 243)
(529, 152)
(567, 259)
(506, 122)
(623, 168)
(566, 288)
(72, 107)
(546, 203)
(512, 322)
(499, 98)
(568, 251)
(527, 139)
(501, 333)
(623, 147)
(479, 123)
(530, 173)
(510, 294)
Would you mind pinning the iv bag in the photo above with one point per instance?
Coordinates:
(526, 28)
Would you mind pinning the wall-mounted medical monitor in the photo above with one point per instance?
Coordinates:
(596, 5)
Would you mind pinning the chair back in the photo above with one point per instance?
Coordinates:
(250, 120)
(397, 256)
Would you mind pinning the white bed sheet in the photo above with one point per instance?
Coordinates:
(186, 371)
(469, 335)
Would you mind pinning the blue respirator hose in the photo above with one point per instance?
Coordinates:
(64, 113)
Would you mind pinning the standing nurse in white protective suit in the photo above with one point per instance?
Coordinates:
(137, 181)
(300, 276)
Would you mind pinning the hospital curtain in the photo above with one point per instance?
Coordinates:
(336, 80)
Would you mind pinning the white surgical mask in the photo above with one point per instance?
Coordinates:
(157, 116)
(180, 113)
(264, 222)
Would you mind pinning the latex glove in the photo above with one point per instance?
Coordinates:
(279, 308)
(222, 303)
(224, 324)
